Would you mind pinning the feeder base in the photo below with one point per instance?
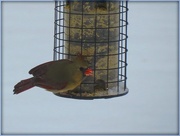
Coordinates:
(83, 96)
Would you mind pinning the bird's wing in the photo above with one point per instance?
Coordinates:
(50, 85)
(42, 68)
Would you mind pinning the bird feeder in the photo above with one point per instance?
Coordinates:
(97, 30)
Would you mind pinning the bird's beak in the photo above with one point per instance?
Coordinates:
(88, 72)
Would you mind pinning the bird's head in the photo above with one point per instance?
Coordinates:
(81, 61)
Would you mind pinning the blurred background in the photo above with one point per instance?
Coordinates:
(150, 107)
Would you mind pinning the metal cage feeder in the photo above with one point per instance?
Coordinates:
(98, 30)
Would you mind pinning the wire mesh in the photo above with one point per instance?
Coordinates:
(98, 30)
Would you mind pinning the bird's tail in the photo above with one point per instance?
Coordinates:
(24, 85)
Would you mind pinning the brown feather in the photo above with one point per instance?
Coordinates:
(42, 68)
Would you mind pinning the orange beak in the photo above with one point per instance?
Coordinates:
(88, 72)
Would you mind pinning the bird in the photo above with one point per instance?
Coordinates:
(56, 76)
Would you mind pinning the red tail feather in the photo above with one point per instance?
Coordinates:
(24, 85)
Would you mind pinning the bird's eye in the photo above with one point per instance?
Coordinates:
(81, 69)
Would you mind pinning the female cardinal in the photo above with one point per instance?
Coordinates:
(56, 76)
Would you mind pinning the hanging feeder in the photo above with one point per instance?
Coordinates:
(97, 30)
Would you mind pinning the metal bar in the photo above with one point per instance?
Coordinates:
(95, 31)
(108, 43)
(119, 46)
(63, 42)
(55, 31)
(126, 18)
(69, 28)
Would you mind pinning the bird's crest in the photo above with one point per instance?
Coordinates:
(80, 56)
